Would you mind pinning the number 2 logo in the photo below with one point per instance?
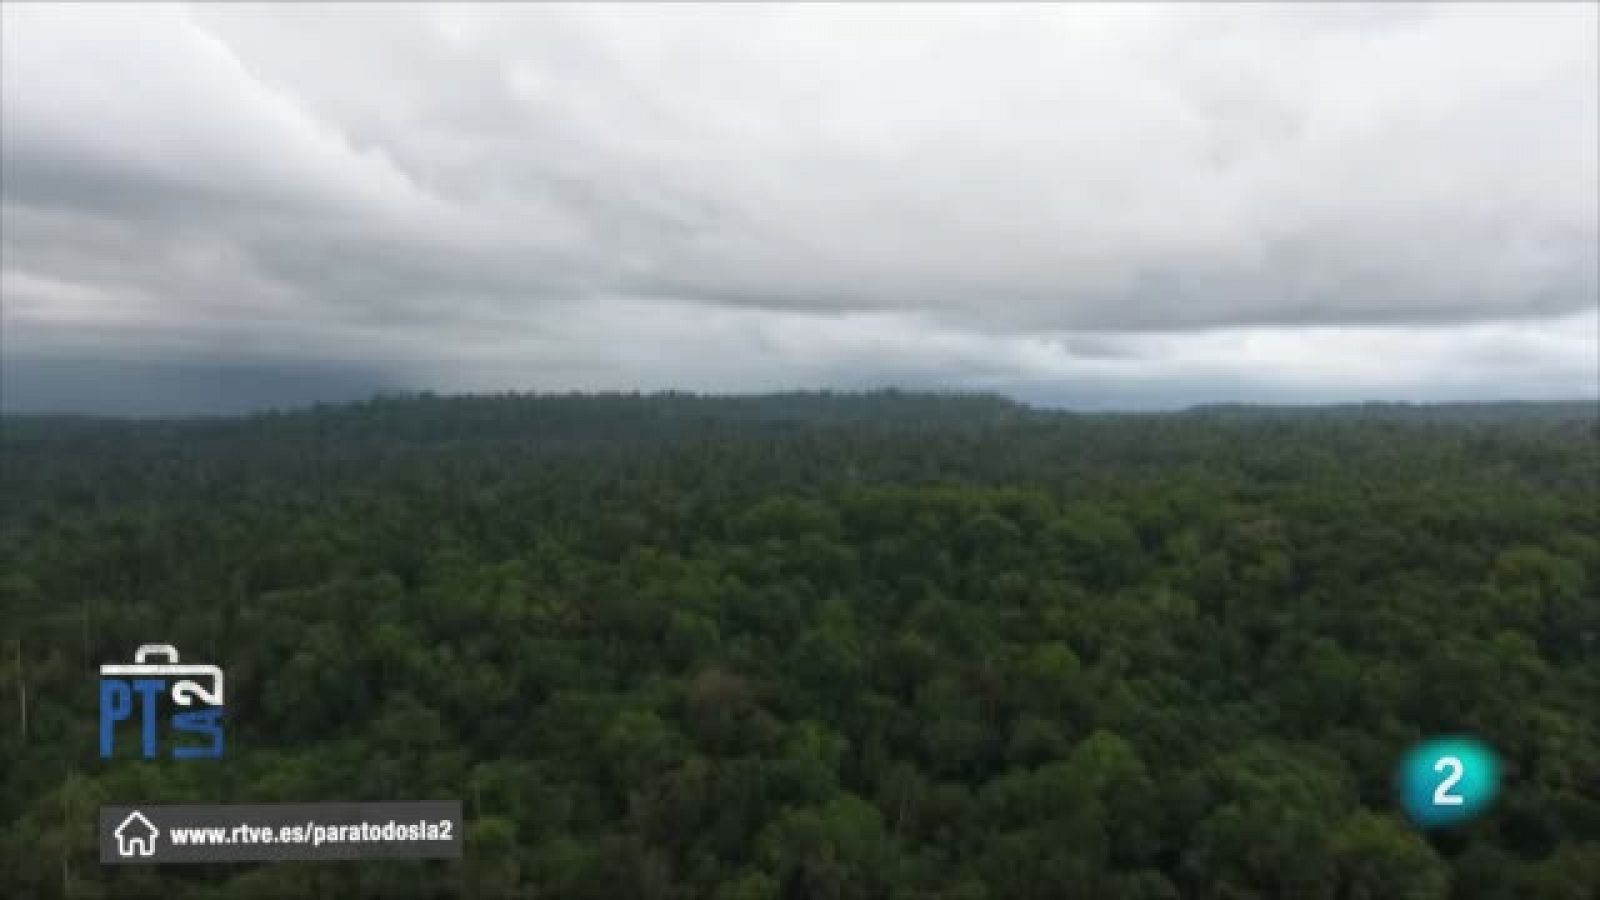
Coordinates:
(1441, 794)
(1447, 780)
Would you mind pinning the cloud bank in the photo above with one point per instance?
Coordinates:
(1340, 202)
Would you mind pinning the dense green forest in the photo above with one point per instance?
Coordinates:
(823, 646)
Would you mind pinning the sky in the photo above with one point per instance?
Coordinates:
(222, 207)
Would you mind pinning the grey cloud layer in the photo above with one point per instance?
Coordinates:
(430, 183)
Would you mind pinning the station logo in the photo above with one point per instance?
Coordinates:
(135, 692)
(1448, 781)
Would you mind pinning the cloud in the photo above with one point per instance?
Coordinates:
(616, 344)
(709, 195)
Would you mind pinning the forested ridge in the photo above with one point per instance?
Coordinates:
(878, 645)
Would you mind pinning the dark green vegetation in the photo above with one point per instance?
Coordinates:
(808, 646)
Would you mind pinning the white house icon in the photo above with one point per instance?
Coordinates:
(136, 836)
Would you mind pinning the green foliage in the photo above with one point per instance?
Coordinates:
(850, 646)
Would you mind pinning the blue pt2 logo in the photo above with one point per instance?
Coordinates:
(133, 692)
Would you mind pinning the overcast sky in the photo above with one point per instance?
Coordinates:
(1121, 205)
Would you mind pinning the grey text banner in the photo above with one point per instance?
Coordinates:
(153, 834)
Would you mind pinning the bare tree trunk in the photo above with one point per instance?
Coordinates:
(22, 694)
(86, 632)
(66, 845)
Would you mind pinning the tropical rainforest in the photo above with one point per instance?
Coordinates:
(877, 645)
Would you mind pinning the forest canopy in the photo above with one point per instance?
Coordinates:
(878, 645)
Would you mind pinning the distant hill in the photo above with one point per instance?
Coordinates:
(1497, 411)
(356, 439)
